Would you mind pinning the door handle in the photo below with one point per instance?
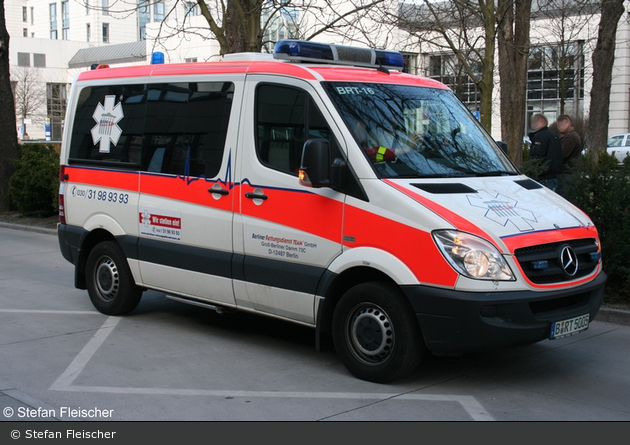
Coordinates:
(219, 191)
(255, 196)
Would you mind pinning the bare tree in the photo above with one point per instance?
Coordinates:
(513, 40)
(235, 24)
(29, 95)
(240, 25)
(349, 21)
(603, 59)
(244, 22)
(8, 132)
(464, 28)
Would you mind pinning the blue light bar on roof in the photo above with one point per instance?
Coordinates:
(305, 51)
(157, 58)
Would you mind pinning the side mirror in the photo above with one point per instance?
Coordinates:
(503, 146)
(315, 169)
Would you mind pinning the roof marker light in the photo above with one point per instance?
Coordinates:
(305, 51)
(157, 58)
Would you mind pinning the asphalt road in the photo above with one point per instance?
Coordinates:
(62, 360)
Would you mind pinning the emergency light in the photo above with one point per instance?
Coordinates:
(305, 51)
(157, 58)
(539, 265)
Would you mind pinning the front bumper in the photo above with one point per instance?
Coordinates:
(454, 322)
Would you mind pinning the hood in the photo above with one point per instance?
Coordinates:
(512, 211)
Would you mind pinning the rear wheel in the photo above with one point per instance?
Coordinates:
(376, 334)
(110, 283)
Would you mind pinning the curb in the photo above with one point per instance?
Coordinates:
(28, 228)
(611, 315)
(605, 314)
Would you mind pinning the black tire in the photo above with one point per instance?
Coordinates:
(376, 334)
(110, 283)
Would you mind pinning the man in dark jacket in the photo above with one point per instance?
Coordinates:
(545, 145)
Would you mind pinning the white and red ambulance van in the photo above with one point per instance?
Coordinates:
(323, 186)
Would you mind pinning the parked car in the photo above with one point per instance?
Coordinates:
(619, 146)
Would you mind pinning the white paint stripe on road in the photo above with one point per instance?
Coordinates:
(45, 311)
(64, 383)
(470, 404)
(65, 380)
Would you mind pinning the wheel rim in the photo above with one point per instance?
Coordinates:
(106, 279)
(370, 334)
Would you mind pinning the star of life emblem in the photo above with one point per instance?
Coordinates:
(503, 210)
(106, 129)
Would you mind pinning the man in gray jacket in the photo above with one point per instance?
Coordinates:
(571, 142)
(571, 149)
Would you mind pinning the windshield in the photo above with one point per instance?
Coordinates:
(417, 132)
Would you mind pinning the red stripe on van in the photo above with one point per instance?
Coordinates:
(412, 246)
(339, 73)
(549, 236)
(165, 70)
(285, 69)
(285, 207)
(103, 178)
(186, 189)
(188, 69)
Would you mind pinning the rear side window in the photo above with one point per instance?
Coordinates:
(163, 128)
(108, 125)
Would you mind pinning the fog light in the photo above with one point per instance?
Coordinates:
(488, 311)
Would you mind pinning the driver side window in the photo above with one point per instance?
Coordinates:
(286, 117)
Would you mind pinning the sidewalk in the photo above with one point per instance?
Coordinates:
(606, 313)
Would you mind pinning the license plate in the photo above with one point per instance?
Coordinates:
(568, 327)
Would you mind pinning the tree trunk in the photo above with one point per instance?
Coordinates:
(8, 131)
(242, 26)
(513, 40)
(603, 59)
(486, 85)
(486, 88)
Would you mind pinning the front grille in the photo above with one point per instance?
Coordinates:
(549, 254)
(549, 308)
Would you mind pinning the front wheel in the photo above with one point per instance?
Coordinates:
(376, 334)
(110, 283)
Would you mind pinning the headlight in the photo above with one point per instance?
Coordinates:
(472, 256)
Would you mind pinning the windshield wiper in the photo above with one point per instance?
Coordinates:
(437, 175)
(457, 174)
(497, 173)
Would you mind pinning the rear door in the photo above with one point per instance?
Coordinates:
(105, 148)
(286, 234)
